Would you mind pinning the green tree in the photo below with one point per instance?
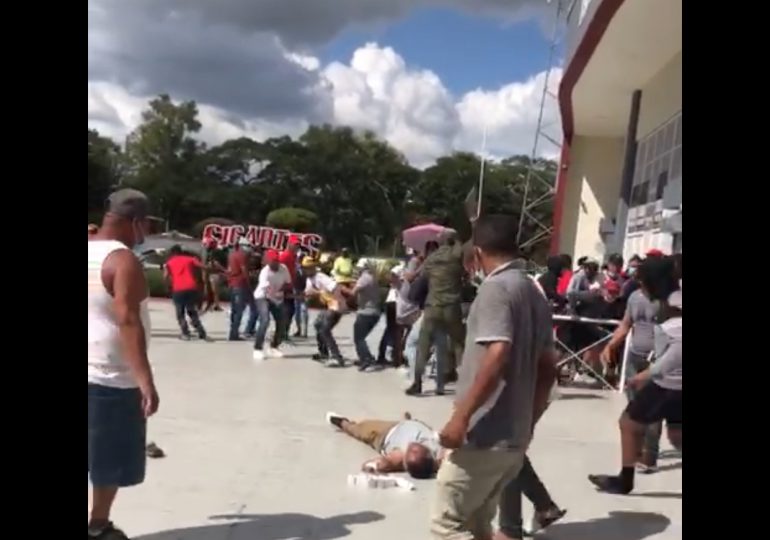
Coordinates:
(163, 159)
(293, 219)
(104, 159)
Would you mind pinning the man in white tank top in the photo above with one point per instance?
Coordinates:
(121, 389)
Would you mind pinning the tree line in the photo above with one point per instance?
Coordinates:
(351, 187)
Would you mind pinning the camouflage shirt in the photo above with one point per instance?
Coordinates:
(444, 269)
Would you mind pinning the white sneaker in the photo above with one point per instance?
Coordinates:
(274, 353)
(258, 356)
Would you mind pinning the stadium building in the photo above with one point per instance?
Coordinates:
(619, 186)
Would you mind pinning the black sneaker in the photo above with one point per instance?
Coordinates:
(110, 532)
(414, 390)
(318, 357)
(363, 365)
(609, 484)
(335, 419)
(236, 338)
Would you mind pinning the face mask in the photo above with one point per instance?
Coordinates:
(139, 238)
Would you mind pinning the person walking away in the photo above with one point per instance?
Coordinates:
(443, 309)
(214, 270)
(342, 270)
(367, 293)
(330, 294)
(121, 386)
(288, 258)
(240, 291)
(659, 388)
(183, 273)
(300, 304)
(272, 284)
(389, 336)
(505, 378)
(549, 282)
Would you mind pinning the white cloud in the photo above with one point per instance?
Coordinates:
(377, 91)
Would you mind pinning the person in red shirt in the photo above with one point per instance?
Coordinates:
(288, 258)
(240, 291)
(183, 272)
(566, 275)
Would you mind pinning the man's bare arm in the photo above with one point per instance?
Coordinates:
(488, 377)
(546, 377)
(620, 333)
(129, 289)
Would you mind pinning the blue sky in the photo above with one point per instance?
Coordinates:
(466, 51)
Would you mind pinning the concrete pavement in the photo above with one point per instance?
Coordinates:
(249, 456)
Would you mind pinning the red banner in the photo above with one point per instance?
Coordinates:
(260, 237)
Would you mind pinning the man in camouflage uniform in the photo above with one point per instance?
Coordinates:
(443, 309)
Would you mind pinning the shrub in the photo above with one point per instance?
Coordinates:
(292, 219)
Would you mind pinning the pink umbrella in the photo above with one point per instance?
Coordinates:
(416, 237)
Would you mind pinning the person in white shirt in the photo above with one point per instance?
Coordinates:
(333, 296)
(121, 387)
(274, 280)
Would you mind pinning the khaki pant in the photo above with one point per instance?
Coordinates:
(468, 488)
(369, 432)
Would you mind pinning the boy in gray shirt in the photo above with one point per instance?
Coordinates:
(659, 388)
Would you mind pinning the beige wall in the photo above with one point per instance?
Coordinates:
(592, 192)
(661, 97)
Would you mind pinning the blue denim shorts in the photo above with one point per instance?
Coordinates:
(117, 435)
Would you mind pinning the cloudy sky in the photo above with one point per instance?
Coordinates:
(427, 75)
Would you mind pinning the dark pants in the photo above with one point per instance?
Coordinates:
(266, 309)
(389, 335)
(242, 297)
(446, 319)
(652, 432)
(324, 324)
(288, 309)
(186, 305)
(528, 483)
(117, 433)
(361, 329)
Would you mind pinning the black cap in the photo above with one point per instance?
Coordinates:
(128, 204)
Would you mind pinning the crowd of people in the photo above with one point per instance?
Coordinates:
(471, 306)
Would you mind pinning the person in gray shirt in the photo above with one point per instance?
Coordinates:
(639, 320)
(659, 388)
(367, 294)
(501, 387)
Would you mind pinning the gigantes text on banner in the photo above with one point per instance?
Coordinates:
(261, 237)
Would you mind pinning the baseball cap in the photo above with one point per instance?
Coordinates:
(271, 255)
(654, 253)
(128, 204)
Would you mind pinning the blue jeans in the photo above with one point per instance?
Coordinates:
(242, 297)
(363, 326)
(266, 308)
(301, 316)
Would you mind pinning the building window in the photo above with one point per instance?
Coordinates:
(658, 161)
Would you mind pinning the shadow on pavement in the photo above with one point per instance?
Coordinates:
(567, 397)
(625, 525)
(270, 527)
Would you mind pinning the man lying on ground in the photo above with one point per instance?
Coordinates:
(404, 446)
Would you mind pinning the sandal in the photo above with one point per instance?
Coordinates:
(154, 451)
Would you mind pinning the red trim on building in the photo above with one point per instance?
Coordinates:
(583, 53)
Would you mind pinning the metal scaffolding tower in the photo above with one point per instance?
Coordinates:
(535, 181)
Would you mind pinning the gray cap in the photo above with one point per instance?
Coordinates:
(129, 204)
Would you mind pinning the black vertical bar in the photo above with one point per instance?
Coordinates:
(627, 175)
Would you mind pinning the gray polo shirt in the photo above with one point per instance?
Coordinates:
(508, 307)
(368, 294)
(642, 312)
